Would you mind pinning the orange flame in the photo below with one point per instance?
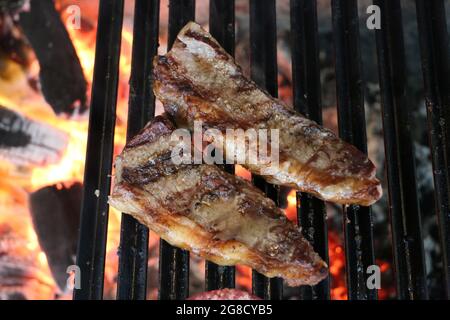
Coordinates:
(16, 93)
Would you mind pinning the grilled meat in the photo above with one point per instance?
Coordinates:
(207, 211)
(198, 80)
(224, 294)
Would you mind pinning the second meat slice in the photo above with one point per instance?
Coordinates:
(203, 209)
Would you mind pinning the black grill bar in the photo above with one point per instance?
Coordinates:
(102, 115)
(434, 47)
(311, 213)
(221, 23)
(174, 262)
(403, 199)
(350, 100)
(263, 61)
(221, 27)
(133, 258)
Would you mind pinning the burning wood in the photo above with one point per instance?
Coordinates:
(28, 142)
(21, 276)
(61, 76)
(24, 273)
(55, 212)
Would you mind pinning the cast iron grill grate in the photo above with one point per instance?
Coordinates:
(405, 221)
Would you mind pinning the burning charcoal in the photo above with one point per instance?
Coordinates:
(24, 141)
(55, 214)
(61, 75)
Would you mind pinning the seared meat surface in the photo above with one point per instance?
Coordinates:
(203, 209)
(198, 80)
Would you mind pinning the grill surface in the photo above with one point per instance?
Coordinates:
(404, 208)
(403, 197)
(434, 47)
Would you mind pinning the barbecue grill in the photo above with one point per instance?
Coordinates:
(405, 220)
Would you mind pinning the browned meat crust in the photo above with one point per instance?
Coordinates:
(198, 80)
(209, 212)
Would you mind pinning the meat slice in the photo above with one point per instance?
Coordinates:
(198, 80)
(203, 209)
(224, 294)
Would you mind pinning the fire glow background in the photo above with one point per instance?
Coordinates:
(19, 244)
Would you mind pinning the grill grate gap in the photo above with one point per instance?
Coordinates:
(311, 214)
(350, 100)
(173, 262)
(221, 27)
(132, 277)
(263, 67)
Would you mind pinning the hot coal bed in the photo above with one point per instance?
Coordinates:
(382, 88)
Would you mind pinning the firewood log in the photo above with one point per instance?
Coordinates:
(27, 142)
(56, 217)
(61, 75)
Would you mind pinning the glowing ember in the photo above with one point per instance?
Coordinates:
(243, 173)
(337, 267)
(291, 209)
(244, 279)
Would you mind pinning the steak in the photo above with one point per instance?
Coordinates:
(198, 81)
(211, 213)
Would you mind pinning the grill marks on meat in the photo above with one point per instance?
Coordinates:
(201, 208)
(198, 80)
